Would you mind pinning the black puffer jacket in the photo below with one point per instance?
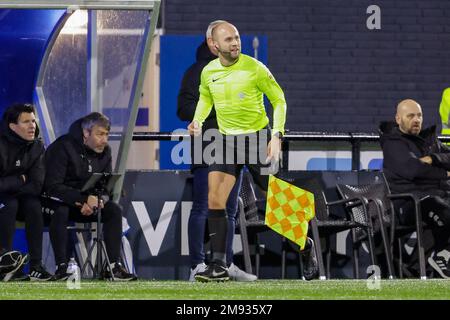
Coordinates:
(70, 165)
(402, 167)
(189, 91)
(20, 157)
(189, 94)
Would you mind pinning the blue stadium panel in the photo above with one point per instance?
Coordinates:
(375, 164)
(338, 164)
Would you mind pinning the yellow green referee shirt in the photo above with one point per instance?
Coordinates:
(237, 93)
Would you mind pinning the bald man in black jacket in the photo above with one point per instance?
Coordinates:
(416, 162)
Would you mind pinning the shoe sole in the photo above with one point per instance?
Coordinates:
(206, 279)
(192, 277)
(40, 279)
(25, 259)
(195, 272)
(436, 267)
(120, 279)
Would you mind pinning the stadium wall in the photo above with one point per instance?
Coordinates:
(337, 74)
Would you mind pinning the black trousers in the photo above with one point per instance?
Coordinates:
(436, 214)
(26, 208)
(62, 214)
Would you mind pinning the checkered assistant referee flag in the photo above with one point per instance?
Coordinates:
(288, 210)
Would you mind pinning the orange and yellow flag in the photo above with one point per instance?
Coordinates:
(288, 210)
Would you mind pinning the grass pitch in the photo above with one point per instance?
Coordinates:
(259, 290)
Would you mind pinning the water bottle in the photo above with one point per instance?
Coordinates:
(72, 266)
(73, 282)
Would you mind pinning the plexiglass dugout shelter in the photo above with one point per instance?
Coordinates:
(75, 57)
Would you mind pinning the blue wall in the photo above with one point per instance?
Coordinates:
(338, 75)
(23, 38)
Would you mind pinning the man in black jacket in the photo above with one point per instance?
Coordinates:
(71, 160)
(187, 101)
(21, 179)
(416, 162)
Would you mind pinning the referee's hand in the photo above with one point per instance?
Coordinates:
(195, 128)
(274, 150)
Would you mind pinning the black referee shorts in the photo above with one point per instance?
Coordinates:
(233, 152)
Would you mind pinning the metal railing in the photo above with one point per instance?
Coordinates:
(354, 138)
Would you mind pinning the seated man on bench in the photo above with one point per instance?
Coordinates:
(21, 179)
(71, 160)
(416, 162)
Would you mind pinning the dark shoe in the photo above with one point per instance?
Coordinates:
(310, 264)
(439, 261)
(38, 273)
(120, 273)
(214, 272)
(61, 273)
(10, 263)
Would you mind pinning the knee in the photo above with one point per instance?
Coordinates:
(440, 213)
(445, 220)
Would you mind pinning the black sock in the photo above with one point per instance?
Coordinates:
(218, 228)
